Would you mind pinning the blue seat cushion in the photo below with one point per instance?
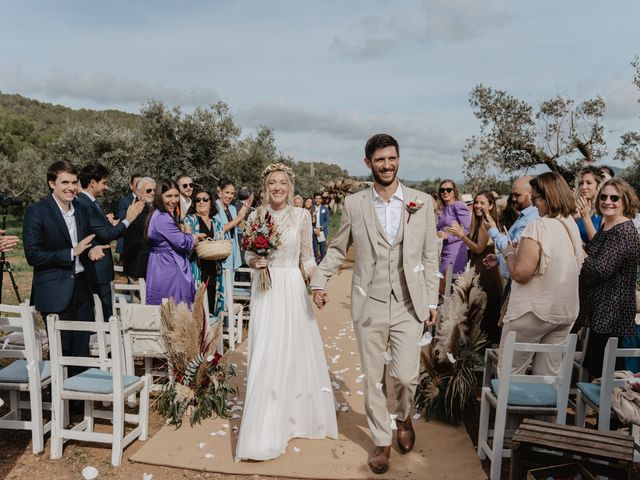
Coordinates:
(241, 292)
(591, 391)
(16, 372)
(528, 394)
(95, 381)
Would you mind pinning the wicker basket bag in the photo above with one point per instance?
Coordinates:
(210, 249)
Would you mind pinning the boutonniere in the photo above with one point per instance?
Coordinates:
(413, 207)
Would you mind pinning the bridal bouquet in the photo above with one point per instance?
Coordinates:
(262, 237)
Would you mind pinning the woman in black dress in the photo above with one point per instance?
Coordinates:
(200, 219)
(608, 275)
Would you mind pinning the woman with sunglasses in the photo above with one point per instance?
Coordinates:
(168, 271)
(452, 211)
(589, 180)
(201, 219)
(480, 245)
(608, 275)
(544, 269)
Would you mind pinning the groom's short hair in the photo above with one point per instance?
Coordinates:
(380, 140)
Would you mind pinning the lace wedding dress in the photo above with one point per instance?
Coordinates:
(289, 393)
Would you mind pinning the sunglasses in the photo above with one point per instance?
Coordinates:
(202, 199)
(613, 198)
(149, 190)
(187, 185)
(448, 190)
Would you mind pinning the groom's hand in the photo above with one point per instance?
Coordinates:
(320, 298)
(433, 315)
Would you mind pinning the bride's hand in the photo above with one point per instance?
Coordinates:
(258, 263)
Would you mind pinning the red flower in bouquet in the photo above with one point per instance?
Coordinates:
(262, 237)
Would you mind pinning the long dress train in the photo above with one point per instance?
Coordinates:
(289, 393)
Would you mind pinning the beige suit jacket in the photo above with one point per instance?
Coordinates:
(419, 249)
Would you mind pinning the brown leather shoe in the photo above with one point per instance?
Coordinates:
(405, 435)
(379, 459)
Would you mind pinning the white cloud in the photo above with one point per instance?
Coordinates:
(101, 88)
(436, 21)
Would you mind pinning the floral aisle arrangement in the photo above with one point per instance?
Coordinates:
(261, 236)
(198, 382)
(447, 377)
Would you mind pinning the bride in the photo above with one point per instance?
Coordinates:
(289, 394)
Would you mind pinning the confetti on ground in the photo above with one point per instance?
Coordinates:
(89, 472)
(335, 385)
(235, 415)
(209, 455)
(296, 450)
(147, 476)
(417, 416)
(226, 425)
(387, 357)
(344, 409)
(201, 445)
(222, 433)
(359, 392)
(360, 378)
(234, 429)
(335, 359)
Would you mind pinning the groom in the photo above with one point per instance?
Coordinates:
(394, 290)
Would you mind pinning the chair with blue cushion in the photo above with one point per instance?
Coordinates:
(105, 380)
(27, 373)
(599, 396)
(522, 395)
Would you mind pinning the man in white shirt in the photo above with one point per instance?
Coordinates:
(394, 290)
(185, 186)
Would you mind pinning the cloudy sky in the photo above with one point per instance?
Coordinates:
(328, 74)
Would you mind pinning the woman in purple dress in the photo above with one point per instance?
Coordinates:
(453, 210)
(168, 269)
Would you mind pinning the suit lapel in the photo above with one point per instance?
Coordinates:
(408, 226)
(56, 214)
(370, 218)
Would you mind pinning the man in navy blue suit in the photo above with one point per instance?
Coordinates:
(94, 180)
(123, 204)
(321, 231)
(57, 244)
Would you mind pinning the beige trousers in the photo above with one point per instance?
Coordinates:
(391, 326)
(531, 329)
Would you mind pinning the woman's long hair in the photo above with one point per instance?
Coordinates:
(476, 221)
(162, 186)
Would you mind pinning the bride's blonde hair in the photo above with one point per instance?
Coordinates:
(288, 172)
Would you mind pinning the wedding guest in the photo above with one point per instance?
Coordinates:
(607, 172)
(452, 209)
(201, 220)
(136, 251)
(245, 196)
(510, 213)
(609, 273)
(589, 181)
(289, 393)
(230, 219)
(320, 227)
(123, 204)
(298, 201)
(185, 185)
(544, 269)
(168, 269)
(480, 245)
(308, 206)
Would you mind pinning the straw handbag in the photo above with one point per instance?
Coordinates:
(210, 249)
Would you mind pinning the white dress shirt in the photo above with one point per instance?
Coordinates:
(70, 221)
(389, 213)
(185, 203)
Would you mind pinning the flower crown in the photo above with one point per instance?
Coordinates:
(278, 167)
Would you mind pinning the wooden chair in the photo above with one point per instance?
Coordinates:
(232, 315)
(28, 373)
(105, 382)
(127, 291)
(599, 396)
(524, 395)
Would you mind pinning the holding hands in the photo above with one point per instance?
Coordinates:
(320, 298)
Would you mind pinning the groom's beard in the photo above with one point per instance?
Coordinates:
(379, 180)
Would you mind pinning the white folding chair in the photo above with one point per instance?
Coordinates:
(28, 373)
(523, 395)
(99, 343)
(583, 374)
(242, 288)
(105, 382)
(599, 396)
(232, 314)
(126, 292)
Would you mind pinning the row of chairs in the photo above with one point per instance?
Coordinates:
(105, 380)
(514, 396)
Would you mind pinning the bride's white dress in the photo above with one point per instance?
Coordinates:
(289, 393)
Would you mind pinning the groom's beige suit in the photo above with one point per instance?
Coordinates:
(394, 285)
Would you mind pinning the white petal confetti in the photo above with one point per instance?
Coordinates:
(387, 357)
(360, 378)
(201, 445)
(209, 455)
(236, 408)
(234, 429)
(426, 339)
(359, 392)
(222, 433)
(296, 450)
(213, 434)
(147, 476)
(379, 386)
(226, 425)
(344, 409)
(417, 416)
(235, 415)
(335, 359)
(89, 473)
(335, 385)
(450, 357)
